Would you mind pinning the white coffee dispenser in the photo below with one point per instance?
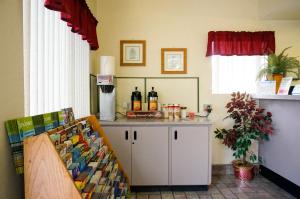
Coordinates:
(107, 94)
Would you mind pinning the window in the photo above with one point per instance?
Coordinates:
(235, 73)
(237, 58)
(56, 63)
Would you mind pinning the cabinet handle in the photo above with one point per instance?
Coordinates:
(175, 135)
(134, 135)
(126, 135)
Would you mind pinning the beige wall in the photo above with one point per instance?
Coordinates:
(184, 23)
(12, 92)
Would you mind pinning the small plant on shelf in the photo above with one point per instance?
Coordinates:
(250, 124)
(280, 63)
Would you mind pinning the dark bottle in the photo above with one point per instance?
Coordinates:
(152, 100)
(136, 100)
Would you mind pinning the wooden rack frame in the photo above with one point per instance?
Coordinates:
(45, 174)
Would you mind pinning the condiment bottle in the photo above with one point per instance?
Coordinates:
(165, 111)
(171, 111)
(152, 100)
(183, 112)
(136, 100)
(176, 111)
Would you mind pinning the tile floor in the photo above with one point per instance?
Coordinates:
(225, 186)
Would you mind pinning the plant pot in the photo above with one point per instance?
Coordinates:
(246, 173)
(236, 170)
(243, 172)
(277, 78)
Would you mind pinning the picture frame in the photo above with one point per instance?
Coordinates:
(173, 61)
(132, 53)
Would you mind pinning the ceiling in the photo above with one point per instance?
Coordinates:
(279, 9)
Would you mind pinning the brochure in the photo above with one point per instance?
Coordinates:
(26, 128)
(296, 90)
(285, 86)
(12, 131)
(266, 88)
(38, 123)
(48, 122)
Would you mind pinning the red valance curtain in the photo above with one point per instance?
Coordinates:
(229, 43)
(79, 17)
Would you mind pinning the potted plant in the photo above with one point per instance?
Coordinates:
(250, 124)
(278, 66)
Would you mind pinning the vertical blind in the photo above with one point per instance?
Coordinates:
(56, 63)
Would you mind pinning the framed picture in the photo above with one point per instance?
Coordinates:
(173, 61)
(132, 53)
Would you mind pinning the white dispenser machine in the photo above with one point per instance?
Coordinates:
(107, 94)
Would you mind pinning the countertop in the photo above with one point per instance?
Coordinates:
(276, 97)
(160, 122)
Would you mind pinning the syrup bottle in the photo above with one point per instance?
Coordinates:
(152, 100)
(136, 100)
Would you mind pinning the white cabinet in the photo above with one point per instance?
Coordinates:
(143, 152)
(190, 155)
(120, 138)
(150, 156)
(163, 154)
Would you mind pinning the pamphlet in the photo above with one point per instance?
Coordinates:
(266, 88)
(285, 86)
(12, 131)
(54, 117)
(61, 118)
(38, 123)
(296, 90)
(48, 122)
(26, 127)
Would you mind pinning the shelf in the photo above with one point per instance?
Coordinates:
(276, 97)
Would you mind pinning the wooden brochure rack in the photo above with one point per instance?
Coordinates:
(46, 175)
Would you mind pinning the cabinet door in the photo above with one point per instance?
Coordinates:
(190, 156)
(120, 138)
(150, 156)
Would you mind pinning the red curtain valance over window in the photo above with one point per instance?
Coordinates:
(79, 17)
(229, 43)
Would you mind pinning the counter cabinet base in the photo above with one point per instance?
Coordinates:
(280, 181)
(169, 188)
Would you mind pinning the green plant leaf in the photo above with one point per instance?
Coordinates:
(279, 64)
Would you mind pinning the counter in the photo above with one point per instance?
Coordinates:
(277, 97)
(155, 122)
(281, 153)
